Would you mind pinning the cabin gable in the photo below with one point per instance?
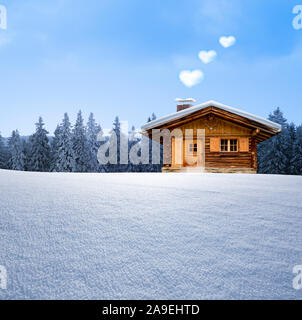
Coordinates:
(215, 125)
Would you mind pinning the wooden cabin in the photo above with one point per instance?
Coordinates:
(229, 142)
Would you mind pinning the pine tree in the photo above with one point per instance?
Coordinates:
(26, 151)
(79, 146)
(39, 149)
(153, 117)
(292, 137)
(278, 117)
(116, 132)
(296, 161)
(93, 129)
(17, 157)
(3, 154)
(275, 152)
(118, 141)
(54, 149)
(64, 154)
(261, 147)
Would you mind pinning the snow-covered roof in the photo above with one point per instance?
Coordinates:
(180, 114)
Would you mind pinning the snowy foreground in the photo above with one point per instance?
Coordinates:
(149, 236)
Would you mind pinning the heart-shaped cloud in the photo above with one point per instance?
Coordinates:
(191, 78)
(227, 41)
(207, 56)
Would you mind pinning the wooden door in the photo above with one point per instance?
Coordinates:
(194, 155)
(177, 152)
(190, 148)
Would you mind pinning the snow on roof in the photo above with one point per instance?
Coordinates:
(185, 101)
(178, 115)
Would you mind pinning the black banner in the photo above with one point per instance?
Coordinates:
(150, 309)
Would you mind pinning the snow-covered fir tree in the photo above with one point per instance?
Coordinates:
(278, 117)
(296, 161)
(153, 167)
(17, 156)
(150, 167)
(54, 149)
(26, 151)
(292, 136)
(4, 155)
(274, 153)
(79, 146)
(153, 117)
(119, 142)
(64, 153)
(93, 129)
(115, 140)
(39, 149)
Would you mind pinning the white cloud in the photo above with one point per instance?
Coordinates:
(227, 41)
(3, 17)
(207, 56)
(191, 78)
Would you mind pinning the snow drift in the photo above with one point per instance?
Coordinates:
(149, 236)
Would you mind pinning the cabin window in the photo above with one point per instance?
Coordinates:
(193, 147)
(233, 145)
(223, 145)
(229, 145)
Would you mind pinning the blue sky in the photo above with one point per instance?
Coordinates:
(117, 57)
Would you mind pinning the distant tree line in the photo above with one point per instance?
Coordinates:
(74, 149)
(71, 149)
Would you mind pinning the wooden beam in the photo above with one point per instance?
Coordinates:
(222, 114)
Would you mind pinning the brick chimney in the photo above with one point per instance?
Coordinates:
(183, 104)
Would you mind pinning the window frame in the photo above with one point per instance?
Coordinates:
(193, 148)
(234, 145)
(224, 145)
(228, 145)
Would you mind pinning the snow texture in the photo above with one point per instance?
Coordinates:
(149, 236)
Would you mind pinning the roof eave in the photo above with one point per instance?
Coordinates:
(275, 127)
